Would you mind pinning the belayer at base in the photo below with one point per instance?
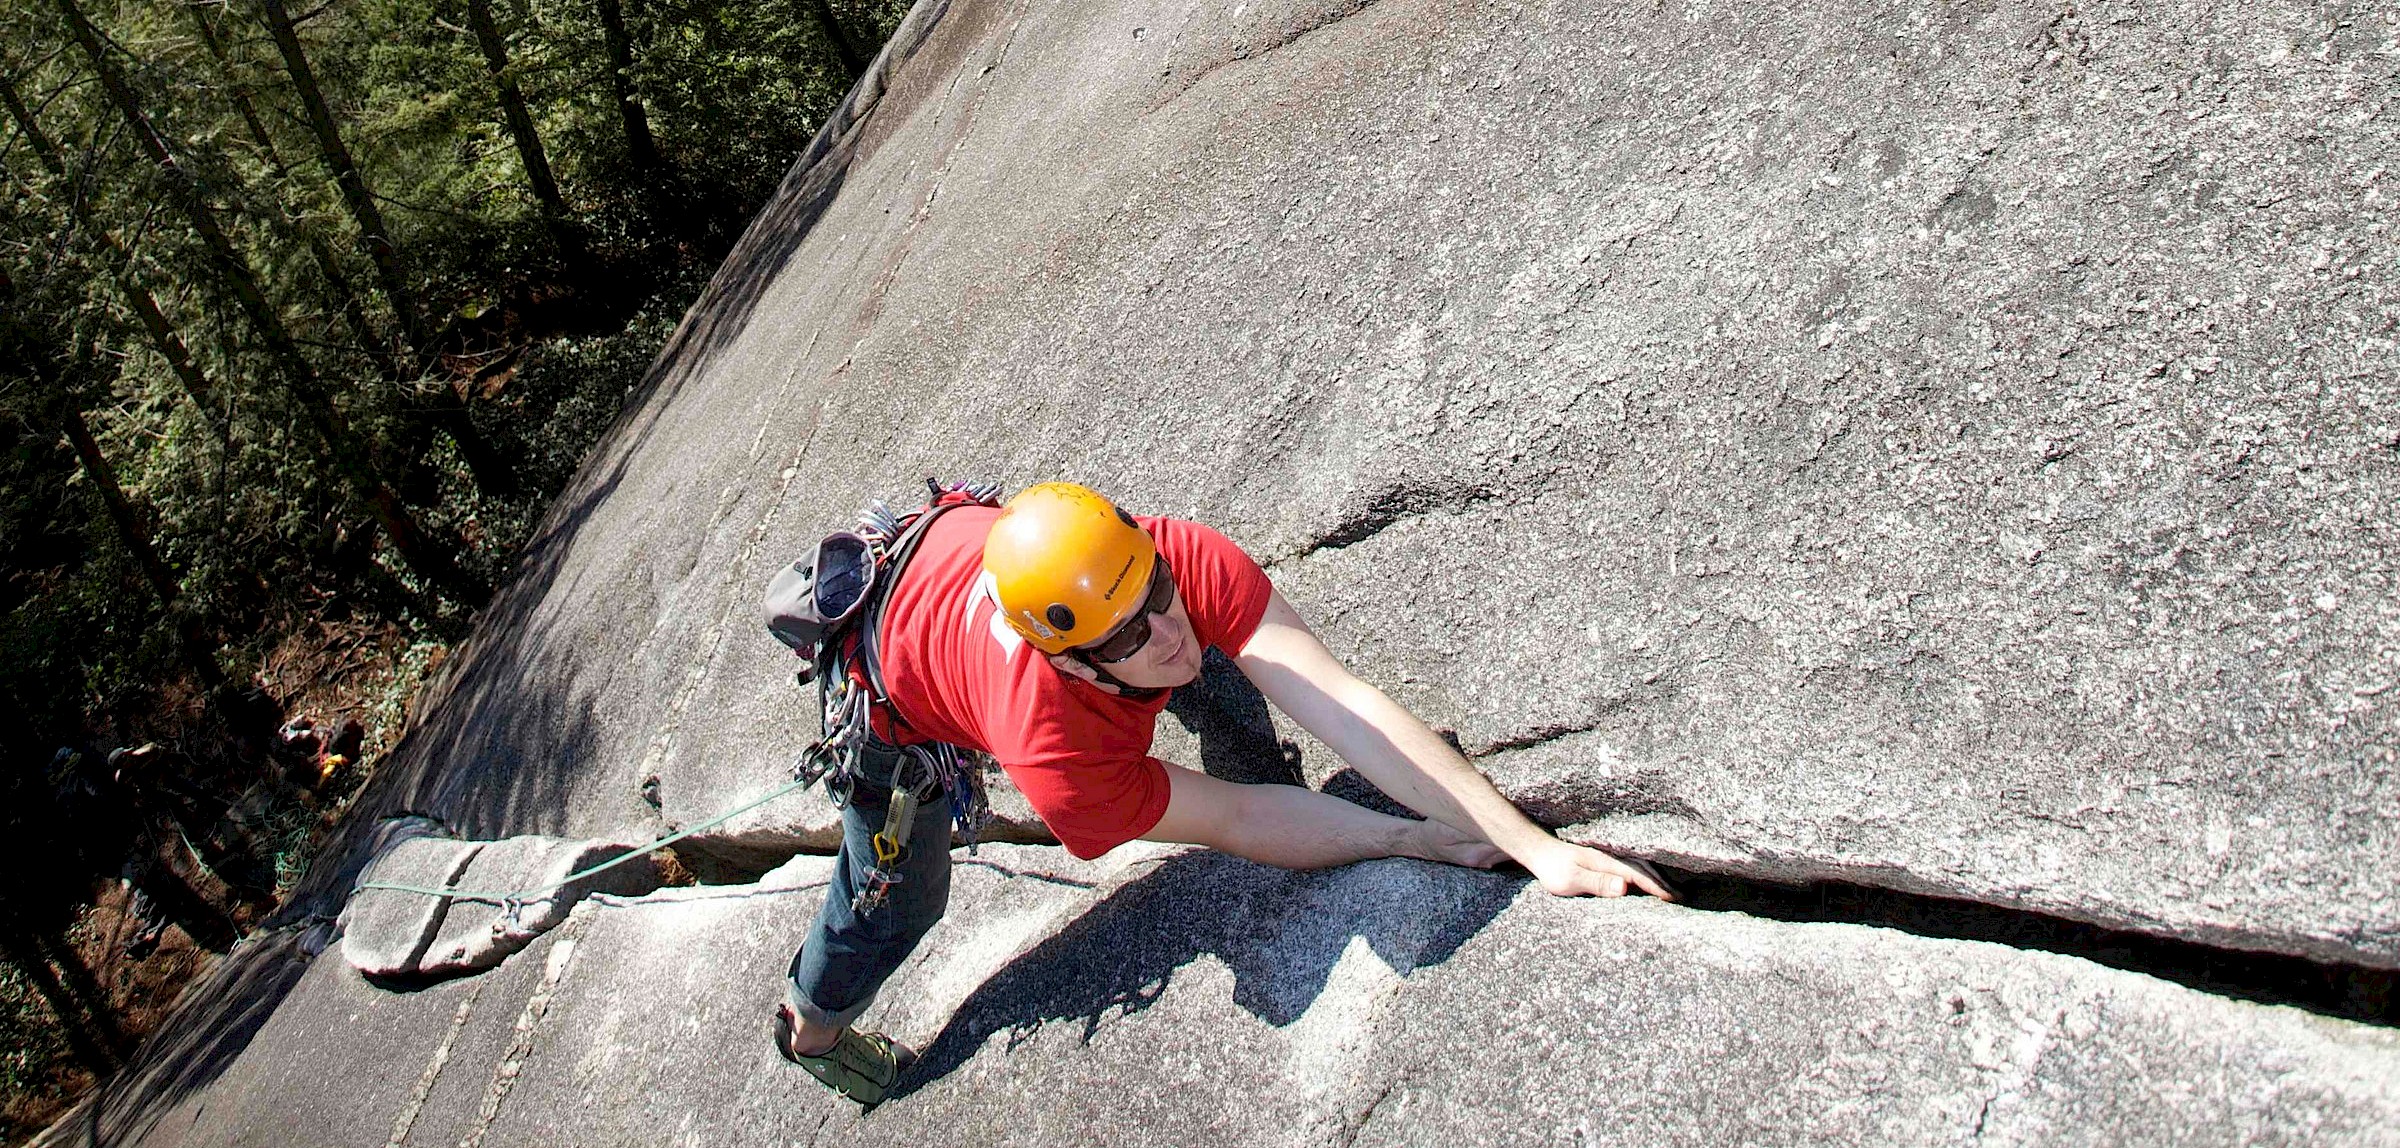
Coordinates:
(1047, 634)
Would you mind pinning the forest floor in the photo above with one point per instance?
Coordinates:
(114, 971)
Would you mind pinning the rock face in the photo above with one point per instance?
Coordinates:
(1941, 447)
(1948, 448)
(387, 933)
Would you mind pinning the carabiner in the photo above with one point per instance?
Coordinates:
(899, 820)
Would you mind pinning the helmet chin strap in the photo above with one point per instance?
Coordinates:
(1101, 674)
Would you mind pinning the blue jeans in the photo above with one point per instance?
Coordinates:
(848, 956)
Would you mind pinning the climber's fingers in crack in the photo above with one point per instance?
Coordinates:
(1581, 871)
(1620, 875)
(1647, 877)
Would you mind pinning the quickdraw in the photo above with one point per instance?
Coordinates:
(891, 848)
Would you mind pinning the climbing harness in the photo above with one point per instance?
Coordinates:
(828, 608)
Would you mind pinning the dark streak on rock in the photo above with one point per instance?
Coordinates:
(1378, 511)
(1604, 707)
(1969, 206)
(1023, 874)
(1351, 1134)
(1561, 803)
(1537, 736)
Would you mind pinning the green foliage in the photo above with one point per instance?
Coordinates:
(239, 500)
(31, 1045)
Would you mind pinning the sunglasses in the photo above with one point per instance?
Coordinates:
(1129, 638)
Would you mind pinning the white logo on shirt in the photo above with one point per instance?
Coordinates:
(987, 589)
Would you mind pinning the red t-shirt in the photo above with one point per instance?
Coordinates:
(958, 673)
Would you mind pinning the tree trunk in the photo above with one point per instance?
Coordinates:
(163, 336)
(197, 649)
(120, 508)
(234, 91)
(339, 449)
(854, 60)
(493, 473)
(34, 348)
(90, 1030)
(372, 234)
(345, 296)
(638, 143)
(354, 314)
(520, 129)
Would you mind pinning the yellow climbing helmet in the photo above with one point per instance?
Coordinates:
(1067, 565)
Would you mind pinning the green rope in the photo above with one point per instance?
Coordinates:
(571, 878)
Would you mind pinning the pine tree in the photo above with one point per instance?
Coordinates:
(444, 409)
(854, 61)
(337, 447)
(338, 285)
(640, 147)
(372, 234)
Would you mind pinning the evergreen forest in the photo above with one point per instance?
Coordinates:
(308, 308)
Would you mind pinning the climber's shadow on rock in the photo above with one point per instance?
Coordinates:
(1237, 736)
(1280, 932)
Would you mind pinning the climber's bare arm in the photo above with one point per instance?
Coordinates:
(1298, 828)
(1396, 751)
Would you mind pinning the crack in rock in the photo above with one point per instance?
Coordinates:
(1371, 515)
(1366, 1116)
(1540, 735)
(407, 1119)
(1561, 802)
(512, 1063)
(906, 245)
(2013, 1078)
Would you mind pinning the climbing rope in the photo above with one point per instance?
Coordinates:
(518, 898)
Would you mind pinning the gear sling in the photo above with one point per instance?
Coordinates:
(828, 607)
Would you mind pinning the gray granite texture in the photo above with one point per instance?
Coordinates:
(507, 893)
(1178, 998)
(1943, 446)
(479, 934)
(387, 932)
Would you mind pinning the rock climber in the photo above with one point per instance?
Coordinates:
(1047, 633)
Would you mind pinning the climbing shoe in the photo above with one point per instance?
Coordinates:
(862, 1066)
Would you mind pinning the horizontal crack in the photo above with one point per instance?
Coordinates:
(2330, 988)
(1899, 899)
(1027, 874)
(743, 859)
(690, 893)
